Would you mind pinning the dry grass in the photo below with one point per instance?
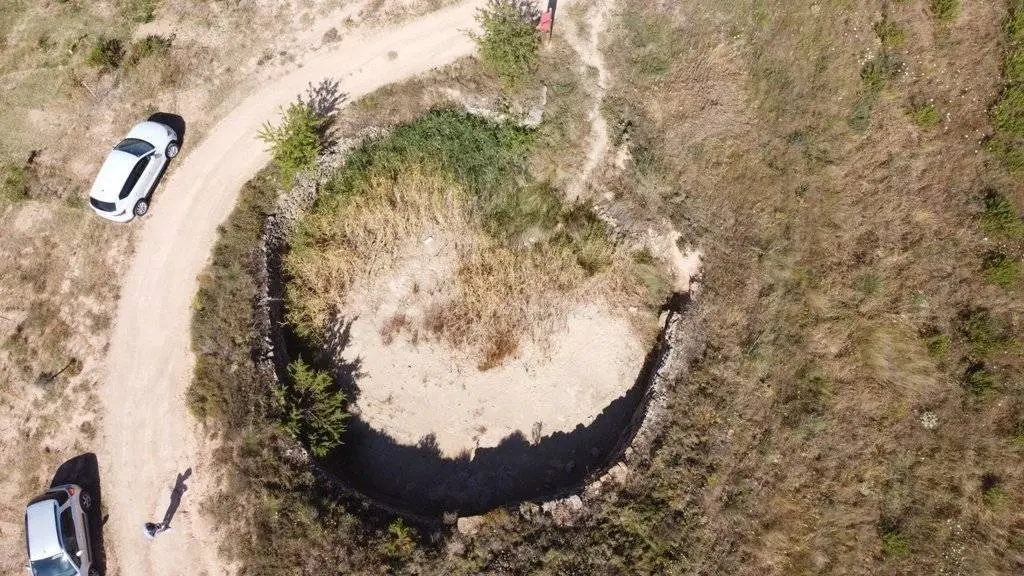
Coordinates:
(496, 296)
(839, 267)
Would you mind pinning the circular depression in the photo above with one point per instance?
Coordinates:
(430, 432)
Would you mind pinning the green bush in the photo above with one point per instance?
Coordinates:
(295, 142)
(509, 43)
(14, 182)
(1001, 270)
(313, 408)
(106, 53)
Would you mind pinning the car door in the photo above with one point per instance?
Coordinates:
(133, 188)
(156, 161)
(70, 532)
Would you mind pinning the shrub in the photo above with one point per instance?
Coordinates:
(106, 53)
(1001, 270)
(1000, 216)
(945, 11)
(152, 45)
(295, 142)
(313, 407)
(14, 182)
(509, 43)
(925, 115)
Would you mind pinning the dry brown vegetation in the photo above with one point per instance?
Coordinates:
(514, 262)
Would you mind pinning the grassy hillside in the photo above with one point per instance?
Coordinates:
(847, 169)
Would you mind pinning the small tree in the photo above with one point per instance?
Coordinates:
(510, 41)
(314, 408)
(296, 141)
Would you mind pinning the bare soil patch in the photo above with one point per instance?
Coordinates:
(416, 389)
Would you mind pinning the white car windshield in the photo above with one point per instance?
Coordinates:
(59, 565)
(134, 146)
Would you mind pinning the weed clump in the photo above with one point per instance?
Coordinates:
(510, 41)
(945, 11)
(106, 53)
(1001, 270)
(1000, 216)
(154, 46)
(925, 115)
(140, 11)
(14, 182)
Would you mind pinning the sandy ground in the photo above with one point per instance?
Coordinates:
(149, 436)
(411, 386)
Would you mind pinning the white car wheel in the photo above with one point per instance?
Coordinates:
(141, 207)
(172, 150)
(85, 499)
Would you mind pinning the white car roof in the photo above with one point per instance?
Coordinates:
(112, 175)
(41, 525)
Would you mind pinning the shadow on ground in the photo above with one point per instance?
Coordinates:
(84, 470)
(420, 480)
(177, 123)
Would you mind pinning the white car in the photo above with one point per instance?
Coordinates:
(57, 533)
(125, 182)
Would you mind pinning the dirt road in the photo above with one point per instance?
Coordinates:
(149, 434)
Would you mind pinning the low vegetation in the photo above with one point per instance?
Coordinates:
(296, 141)
(510, 42)
(859, 405)
(1008, 112)
(521, 257)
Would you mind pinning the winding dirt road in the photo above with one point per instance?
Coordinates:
(149, 434)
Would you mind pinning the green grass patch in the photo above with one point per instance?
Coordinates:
(152, 46)
(889, 33)
(489, 159)
(945, 11)
(1001, 270)
(984, 332)
(925, 115)
(139, 11)
(1008, 113)
(14, 182)
(895, 544)
(999, 216)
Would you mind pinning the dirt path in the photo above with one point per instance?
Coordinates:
(589, 49)
(149, 434)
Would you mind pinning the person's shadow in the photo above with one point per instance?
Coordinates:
(176, 494)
